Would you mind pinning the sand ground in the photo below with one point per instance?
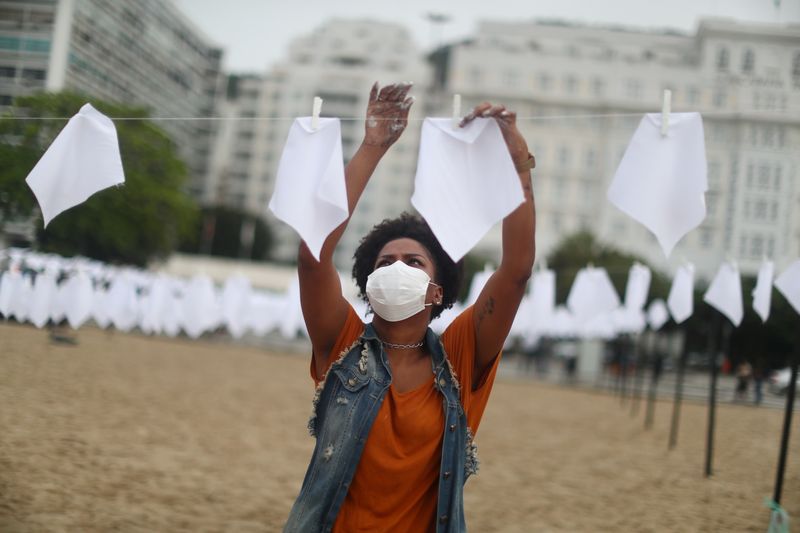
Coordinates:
(136, 434)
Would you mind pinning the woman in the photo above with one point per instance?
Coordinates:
(396, 406)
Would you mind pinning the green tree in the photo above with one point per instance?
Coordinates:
(133, 223)
(219, 231)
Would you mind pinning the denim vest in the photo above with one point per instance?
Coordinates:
(345, 406)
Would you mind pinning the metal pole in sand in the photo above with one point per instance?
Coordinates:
(712, 396)
(638, 378)
(676, 405)
(787, 426)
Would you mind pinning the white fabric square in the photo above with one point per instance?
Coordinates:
(762, 293)
(789, 284)
(725, 293)
(592, 294)
(465, 182)
(661, 181)
(681, 295)
(310, 193)
(82, 160)
(657, 314)
(637, 287)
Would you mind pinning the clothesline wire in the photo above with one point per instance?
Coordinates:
(362, 118)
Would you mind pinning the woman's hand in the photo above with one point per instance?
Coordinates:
(387, 114)
(507, 120)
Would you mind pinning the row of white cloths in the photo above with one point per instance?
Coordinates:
(465, 181)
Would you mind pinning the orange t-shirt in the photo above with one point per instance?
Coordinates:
(396, 482)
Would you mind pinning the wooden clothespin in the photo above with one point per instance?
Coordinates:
(315, 110)
(456, 110)
(665, 111)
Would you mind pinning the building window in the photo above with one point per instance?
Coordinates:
(633, 89)
(571, 84)
(5, 99)
(773, 215)
(563, 156)
(545, 82)
(510, 78)
(599, 87)
(692, 95)
(590, 158)
(8, 72)
(760, 210)
(796, 65)
(778, 172)
(771, 247)
(757, 246)
(723, 59)
(763, 177)
(720, 98)
(748, 61)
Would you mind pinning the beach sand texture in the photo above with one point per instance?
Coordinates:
(135, 434)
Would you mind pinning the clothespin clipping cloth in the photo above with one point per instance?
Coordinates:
(82, 160)
(465, 182)
(661, 180)
(310, 193)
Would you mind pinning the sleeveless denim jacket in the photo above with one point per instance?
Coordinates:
(345, 406)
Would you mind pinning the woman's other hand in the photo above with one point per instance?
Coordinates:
(387, 114)
(507, 120)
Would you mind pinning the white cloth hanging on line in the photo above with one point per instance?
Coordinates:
(762, 293)
(310, 193)
(657, 314)
(592, 294)
(788, 284)
(681, 295)
(661, 180)
(725, 293)
(82, 160)
(465, 181)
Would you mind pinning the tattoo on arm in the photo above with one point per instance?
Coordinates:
(483, 312)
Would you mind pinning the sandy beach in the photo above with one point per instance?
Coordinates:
(135, 434)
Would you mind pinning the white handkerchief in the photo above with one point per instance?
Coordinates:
(657, 314)
(789, 285)
(478, 283)
(82, 160)
(591, 294)
(661, 181)
(762, 293)
(465, 182)
(78, 296)
(638, 286)
(310, 193)
(681, 295)
(725, 293)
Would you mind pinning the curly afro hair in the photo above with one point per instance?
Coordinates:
(448, 273)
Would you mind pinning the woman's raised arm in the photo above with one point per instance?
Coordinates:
(499, 300)
(324, 307)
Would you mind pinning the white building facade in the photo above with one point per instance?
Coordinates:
(565, 81)
(143, 53)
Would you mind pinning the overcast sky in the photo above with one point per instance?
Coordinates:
(255, 33)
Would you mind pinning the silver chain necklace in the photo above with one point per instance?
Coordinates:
(402, 346)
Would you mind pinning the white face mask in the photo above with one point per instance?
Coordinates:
(397, 291)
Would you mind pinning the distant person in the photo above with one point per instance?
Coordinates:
(758, 381)
(397, 406)
(743, 373)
